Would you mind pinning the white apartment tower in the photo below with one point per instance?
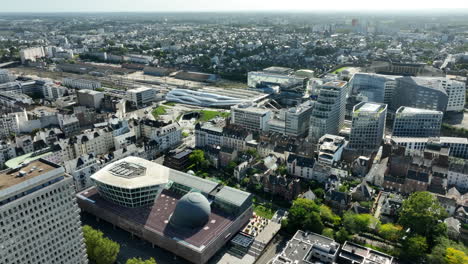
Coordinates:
(39, 216)
(368, 126)
(329, 110)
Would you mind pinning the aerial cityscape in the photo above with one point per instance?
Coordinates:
(212, 132)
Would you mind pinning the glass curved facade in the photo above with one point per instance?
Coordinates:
(132, 198)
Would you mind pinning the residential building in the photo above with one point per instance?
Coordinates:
(52, 91)
(329, 111)
(308, 247)
(8, 125)
(69, 124)
(458, 147)
(7, 152)
(90, 98)
(352, 253)
(166, 135)
(235, 137)
(415, 122)
(458, 173)
(208, 135)
(141, 96)
(330, 148)
(32, 54)
(250, 117)
(6, 76)
(81, 170)
(81, 83)
(368, 126)
(300, 166)
(39, 216)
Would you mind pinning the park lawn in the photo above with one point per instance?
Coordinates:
(264, 212)
(169, 103)
(207, 115)
(160, 110)
(339, 70)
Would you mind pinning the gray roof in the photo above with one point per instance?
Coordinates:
(205, 186)
(233, 196)
(193, 210)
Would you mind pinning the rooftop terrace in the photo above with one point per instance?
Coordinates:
(12, 177)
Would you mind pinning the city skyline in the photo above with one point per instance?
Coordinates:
(223, 6)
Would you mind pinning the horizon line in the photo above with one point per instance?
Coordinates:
(448, 10)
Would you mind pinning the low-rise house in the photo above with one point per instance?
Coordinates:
(337, 200)
(300, 166)
(362, 192)
(352, 253)
(308, 247)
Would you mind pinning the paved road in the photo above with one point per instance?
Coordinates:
(275, 247)
(130, 248)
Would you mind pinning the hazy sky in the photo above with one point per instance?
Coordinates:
(222, 5)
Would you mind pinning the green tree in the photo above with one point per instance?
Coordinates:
(342, 235)
(304, 214)
(106, 252)
(454, 256)
(92, 238)
(358, 223)
(414, 248)
(421, 212)
(328, 232)
(439, 251)
(282, 170)
(390, 232)
(230, 167)
(328, 216)
(313, 222)
(99, 248)
(140, 261)
(197, 158)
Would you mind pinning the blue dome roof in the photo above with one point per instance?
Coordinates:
(193, 210)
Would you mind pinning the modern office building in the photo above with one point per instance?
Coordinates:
(330, 148)
(293, 121)
(6, 76)
(189, 216)
(415, 122)
(374, 87)
(297, 119)
(282, 77)
(368, 126)
(141, 96)
(131, 182)
(420, 92)
(250, 117)
(81, 83)
(214, 97)
(329, 111)
(308, 247)
(456, 91)
(90, 98)
(39, 216)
